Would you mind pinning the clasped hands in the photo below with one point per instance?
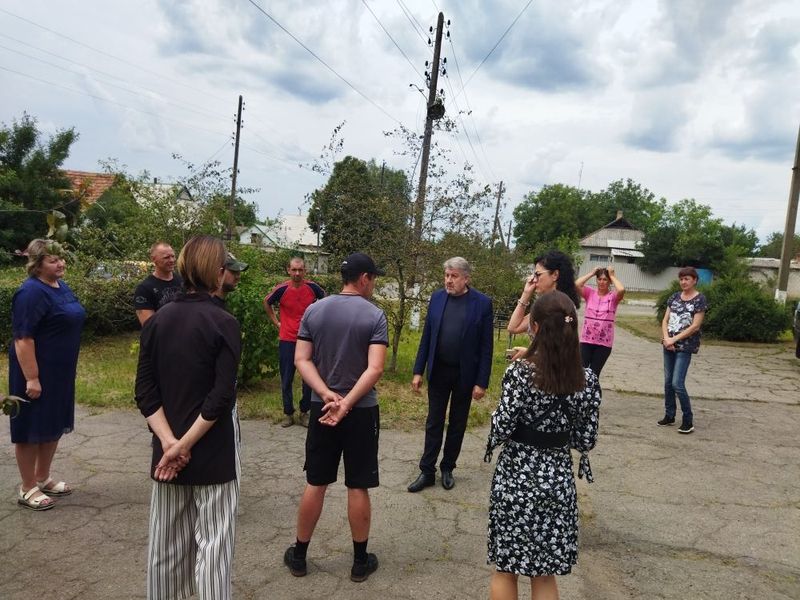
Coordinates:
(175, 458)
(335, 408)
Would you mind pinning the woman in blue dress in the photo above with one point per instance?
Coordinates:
(46, 322)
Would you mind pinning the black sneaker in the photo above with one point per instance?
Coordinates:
(297, 566)
(686, 427)
(667, 421)
(362, 570)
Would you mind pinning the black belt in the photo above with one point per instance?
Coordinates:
(540, 439)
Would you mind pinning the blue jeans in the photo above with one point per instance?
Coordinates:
(286, 363)
(676, 364)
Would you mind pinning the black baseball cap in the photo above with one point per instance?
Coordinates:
(358, 263)
(237, 266)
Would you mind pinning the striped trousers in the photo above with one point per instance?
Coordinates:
(192, 535)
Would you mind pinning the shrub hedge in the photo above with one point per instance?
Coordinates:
(740, 310)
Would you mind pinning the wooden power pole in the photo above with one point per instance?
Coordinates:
(497, 227)
(231, 222)
(788, 230)
(419, 206)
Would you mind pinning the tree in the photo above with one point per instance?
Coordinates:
(688, 234)
(774, 245)
(367, 207)
(129, 216)
(555, 211)
(637, 203)
(31, 181)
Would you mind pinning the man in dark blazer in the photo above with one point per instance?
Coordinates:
(456, 352)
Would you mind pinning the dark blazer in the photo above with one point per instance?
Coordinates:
(188, 360)
(477, 340)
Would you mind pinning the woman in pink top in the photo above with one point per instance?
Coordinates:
(597, 335)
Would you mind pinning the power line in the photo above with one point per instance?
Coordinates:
(469, 108)
(364, 2)
(505, 33)
(96, 97)
(418, 29)
(85, 66)
(121, 87)
(221, 148)
(326, 65)
(109, 55)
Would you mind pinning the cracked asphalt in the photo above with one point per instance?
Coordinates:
(712, 515)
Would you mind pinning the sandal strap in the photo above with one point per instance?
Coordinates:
(58, 488)
(31, 493)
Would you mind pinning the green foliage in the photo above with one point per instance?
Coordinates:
(259, 336)
(774, 246)
(134, 212)
(638, 204)
(31, 182)
(556, 211)
(740, 310)
(362, 207)
(689, 235)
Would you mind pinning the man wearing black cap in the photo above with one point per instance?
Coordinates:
(341, 348)
(233, 273)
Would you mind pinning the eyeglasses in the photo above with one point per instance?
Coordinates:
(537, 274)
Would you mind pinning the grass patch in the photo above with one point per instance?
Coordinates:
(649, 328)
(107, 371)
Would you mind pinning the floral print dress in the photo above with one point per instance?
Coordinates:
(533, 511)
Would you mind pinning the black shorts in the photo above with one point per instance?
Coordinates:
(356, 436)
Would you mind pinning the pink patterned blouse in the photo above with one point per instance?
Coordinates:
(598, 320)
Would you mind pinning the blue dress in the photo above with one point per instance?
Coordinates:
(53, 317)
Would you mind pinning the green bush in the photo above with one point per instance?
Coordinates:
(259, 336)
(108, 303)
(740, 310)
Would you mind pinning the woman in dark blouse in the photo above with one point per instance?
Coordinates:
(46, 320)
(185, 388)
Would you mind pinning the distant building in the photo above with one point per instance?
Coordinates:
(765, 271)
(617, 244)
(289, 232)
(87, 186)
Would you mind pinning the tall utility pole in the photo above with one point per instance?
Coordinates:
(419, 206)
(231, 222)
(788, 230)
(497, 227)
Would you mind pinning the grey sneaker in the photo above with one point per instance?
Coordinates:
(686, 427)
(362, 570)
(667, 421)
(288, 421)
(304, 418)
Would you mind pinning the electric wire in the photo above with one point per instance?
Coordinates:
(414, 23)
(160, 98)
(101, 99)
(502, 37)
(109, 55)
(408, 60)
(85, 66)
(469, 109)
(325, 64)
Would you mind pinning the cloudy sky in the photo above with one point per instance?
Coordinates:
(691, 98)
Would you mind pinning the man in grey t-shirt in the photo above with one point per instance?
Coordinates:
(341, 348)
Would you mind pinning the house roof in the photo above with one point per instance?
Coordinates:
(89, 186)
(294, 230)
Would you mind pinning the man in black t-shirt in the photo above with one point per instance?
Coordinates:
(161, 286)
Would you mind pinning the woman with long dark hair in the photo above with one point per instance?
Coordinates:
(549, 403)
(185, 388)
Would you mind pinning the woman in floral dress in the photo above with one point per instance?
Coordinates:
(549, 404)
